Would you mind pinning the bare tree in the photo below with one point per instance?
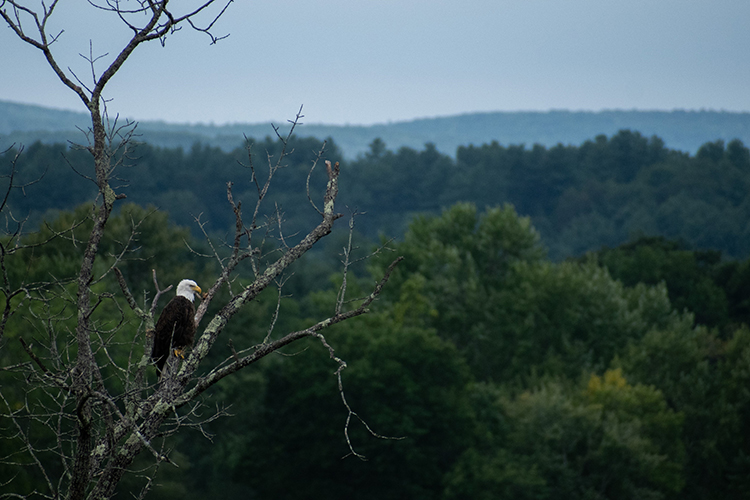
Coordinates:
(102, 413)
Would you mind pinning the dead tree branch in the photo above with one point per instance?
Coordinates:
(100, 409)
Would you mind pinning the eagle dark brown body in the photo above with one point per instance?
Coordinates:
(175, 329)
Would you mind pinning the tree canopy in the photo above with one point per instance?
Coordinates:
(605, 191)
(506, 374)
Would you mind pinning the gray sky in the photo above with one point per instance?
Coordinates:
(368, 61)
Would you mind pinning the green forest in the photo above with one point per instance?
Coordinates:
(568, 322)
(604, 192)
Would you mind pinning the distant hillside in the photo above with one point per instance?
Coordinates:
(680, 130)
(601, 192)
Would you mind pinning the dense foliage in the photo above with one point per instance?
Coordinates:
(508, 375)
(604, 192)
(502, 372)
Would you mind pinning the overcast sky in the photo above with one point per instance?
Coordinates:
(373, 61)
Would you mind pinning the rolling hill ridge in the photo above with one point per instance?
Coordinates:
(680, 130)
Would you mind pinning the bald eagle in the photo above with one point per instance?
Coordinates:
(176, 326)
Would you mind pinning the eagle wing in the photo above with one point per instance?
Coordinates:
(174, 329)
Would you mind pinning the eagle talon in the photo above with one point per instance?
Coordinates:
(178, 354)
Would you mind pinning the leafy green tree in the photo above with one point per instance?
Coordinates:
(481, 282)
(622, 156)
(403, 381)
(734, 279)
(690, 276)
(705, 379)
(738, 154)
(715, 290)
(455, 260)
(610, 440)
(565, 318)
(378, 179)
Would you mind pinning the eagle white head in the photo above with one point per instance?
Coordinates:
(188, 289)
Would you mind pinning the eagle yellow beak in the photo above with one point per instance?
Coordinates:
(197, 289)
